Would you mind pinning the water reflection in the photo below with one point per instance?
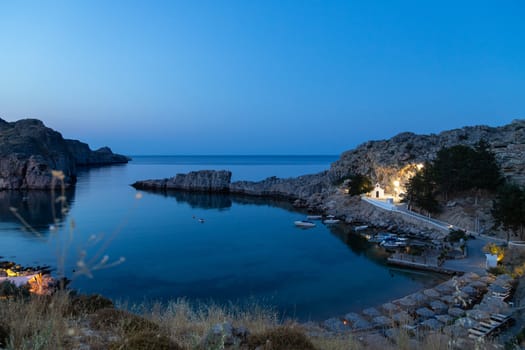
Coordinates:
(204, 200)
(201, 200)
(36, 208)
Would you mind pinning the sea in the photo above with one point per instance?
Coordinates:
(142, 247)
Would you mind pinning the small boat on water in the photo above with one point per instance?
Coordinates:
(382, 236)
(304, 223)
(330, 221)
(314, 217)
(360, 228)
(389, 243)
(394, 242)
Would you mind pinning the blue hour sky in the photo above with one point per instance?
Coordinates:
(259, 76)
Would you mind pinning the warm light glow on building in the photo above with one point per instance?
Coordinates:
(419, 166)
(396, 183)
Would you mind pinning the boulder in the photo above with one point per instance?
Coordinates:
(224, 336)
(371, 312)
(335, 325)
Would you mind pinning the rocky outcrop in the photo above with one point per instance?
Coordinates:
(384, 161)
(84, 156)
(201, 181)
(301, 187)
(397, 157)
(29, 151)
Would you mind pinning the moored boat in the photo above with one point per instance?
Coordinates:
(314, 217)
(304, 223)
(330, 221)
(382, 236)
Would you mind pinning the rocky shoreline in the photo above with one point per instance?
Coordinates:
(30, 152)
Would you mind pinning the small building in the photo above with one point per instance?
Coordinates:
(377, 192)
(492, 260)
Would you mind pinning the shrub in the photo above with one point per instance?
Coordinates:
(145, 341)
(281, 338)
(88, 304)
(4, 335)
(110, 318)
(498, 270)
(456, 235)
(494, 249)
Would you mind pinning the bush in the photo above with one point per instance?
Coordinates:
(108, 318)
(8, 289)
(88, 304)
(281, 338)
(146, 341)
(4, 335)
(498, 270)
(456, 235)
(494, 249)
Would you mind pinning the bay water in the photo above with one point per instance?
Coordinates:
(203, 247)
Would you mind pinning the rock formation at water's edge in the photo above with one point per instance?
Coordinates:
(200, 181)
(382, 161)
(29, 151)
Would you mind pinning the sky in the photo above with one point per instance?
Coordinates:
(259, 76)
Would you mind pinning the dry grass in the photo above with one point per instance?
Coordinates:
(188, 323)
(36, 322)
(340, 342)
(62, 321)
(281, 338)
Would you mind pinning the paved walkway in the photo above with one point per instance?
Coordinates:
(475, 260)
(401, 209)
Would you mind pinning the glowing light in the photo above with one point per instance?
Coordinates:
(396, 183)
(419, 166)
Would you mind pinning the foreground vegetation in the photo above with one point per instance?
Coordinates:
(68, 321)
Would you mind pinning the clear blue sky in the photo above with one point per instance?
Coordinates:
(259, 77)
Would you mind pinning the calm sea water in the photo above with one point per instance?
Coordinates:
(246, 249)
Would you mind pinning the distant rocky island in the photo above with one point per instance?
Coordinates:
(29, 151)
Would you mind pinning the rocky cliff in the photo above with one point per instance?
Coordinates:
(201, 181)
(84, 156)
(219, 181)
(291, 188)
(396, 158)
(29, 151)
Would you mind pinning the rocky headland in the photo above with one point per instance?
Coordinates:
(29, 151)
(382, 161)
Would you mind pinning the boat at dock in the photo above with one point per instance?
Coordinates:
(360, 228)
(381, 236)
(394, 242)
(331, 221)
(314, 217)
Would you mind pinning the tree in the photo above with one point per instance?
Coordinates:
(460, 168)
(420, 190)
(484, 171)
(509, 209)
(451, 169)
(359, 184)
